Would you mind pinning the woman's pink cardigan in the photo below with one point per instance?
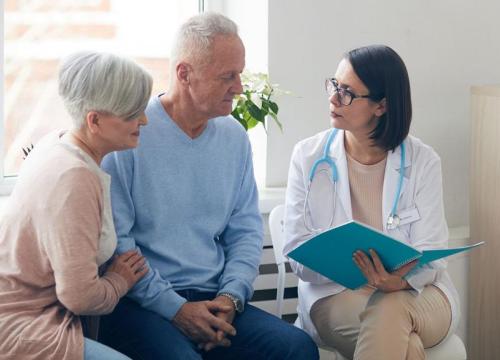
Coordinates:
(49, 233)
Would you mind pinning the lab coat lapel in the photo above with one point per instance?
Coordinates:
(391, 181)
(337, 153)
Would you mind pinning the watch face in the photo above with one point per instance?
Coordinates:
(238, 305)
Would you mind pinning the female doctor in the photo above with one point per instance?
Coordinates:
(369, 169)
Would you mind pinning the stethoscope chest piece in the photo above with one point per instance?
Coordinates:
(393, 222)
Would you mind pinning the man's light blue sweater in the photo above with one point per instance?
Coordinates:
(191, 207)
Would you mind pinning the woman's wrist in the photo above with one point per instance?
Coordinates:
(405, 285)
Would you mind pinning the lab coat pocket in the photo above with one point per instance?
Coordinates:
(407, 217)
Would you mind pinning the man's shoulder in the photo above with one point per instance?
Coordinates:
(154, 109)
(229, 128)
(229, 123)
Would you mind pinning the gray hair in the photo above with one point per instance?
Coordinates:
(91, 81)
(195, 36)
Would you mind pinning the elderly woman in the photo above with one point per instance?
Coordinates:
(57, 231)
(388, 180)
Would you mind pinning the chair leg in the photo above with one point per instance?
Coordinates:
(280, 290)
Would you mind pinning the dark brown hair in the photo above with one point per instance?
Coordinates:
(384, 73)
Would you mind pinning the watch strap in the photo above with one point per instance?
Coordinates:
(238, 304)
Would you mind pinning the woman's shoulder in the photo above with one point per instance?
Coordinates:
(314, 139)
(57, 182)
(420, 150)
(55, 167)
(312, 145)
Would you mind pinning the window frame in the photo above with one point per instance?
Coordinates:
(7, 182)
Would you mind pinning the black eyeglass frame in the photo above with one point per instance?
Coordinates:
(341, 91)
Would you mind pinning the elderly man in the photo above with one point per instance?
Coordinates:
(187, 199)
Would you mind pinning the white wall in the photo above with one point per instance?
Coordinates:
(447, 45)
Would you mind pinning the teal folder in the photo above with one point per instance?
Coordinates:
(330, 253)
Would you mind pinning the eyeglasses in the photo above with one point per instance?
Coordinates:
(344, 96)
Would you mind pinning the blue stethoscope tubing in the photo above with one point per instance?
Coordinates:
(393, 219)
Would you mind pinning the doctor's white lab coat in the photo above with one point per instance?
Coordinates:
(420, 207)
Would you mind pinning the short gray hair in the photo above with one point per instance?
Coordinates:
(195, 36)
(92, 81)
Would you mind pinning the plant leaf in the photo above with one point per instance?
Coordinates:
(254, 104)
(255, 111)
(252, 123)
(276, 121)
(274, 107)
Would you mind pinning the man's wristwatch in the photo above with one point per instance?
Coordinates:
(238, 304)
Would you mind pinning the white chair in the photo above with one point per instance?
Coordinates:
(451, 349)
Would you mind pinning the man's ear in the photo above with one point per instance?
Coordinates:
(183, 72)
(381, 108)
(92, 120)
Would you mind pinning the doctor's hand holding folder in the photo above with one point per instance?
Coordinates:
(331, 253)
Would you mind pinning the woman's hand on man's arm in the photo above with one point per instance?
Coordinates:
(130, 265)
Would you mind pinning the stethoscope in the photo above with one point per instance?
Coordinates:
(392, 221)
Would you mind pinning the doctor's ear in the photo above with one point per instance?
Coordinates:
(381, 108)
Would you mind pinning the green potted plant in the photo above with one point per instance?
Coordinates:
(254, 104)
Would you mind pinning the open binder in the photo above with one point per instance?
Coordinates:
(330, 253)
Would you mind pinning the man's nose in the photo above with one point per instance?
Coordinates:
(238, 86)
